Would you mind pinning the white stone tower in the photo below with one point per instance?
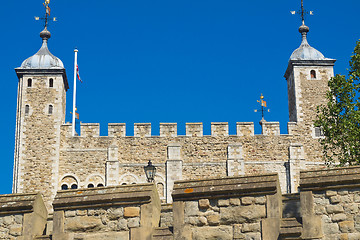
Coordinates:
(307, 76)
(40, 112)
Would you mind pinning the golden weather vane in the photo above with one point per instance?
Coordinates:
(47, 14)
(263, 107)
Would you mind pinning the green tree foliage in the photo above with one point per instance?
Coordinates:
(339, 119)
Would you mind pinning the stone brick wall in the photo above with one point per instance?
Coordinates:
(123, 212)
(231, 208)
(22, 216)
(11, 226)
(197, 156)
(102, 219)
(336, 201)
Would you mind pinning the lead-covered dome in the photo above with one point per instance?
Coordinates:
(43, 59)
(305, 51)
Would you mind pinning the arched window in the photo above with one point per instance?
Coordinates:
(27, 110)
(51, 82)
(313, 74)
(51, 109)
(64, 187)
(29, 82)
(90, 185)
(74, 186)
(100, 185)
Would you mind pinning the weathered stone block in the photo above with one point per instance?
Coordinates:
(191, 208)
(235, 201)
(335, 199)
(251, 227)
(70, 213)
(131, 212)
(331, 228)
(347, 226)
(330, 193)
(351, 208)
(213, 219)
(81, 212)
(253, 236)
(133, 222)
(223, 202)
(202, 221)
(16, 230)
(346, 199)
(241, 214)
(353, 236)
(83, 224)
(7, 220)
(223, 233)
(247, 200)
(357, 198)
(260, 200)
(115, 213)
(334, 209)
(237, 231)
(18, 219)
(122, 225)
(339, 217)
(204, 203)
(343, 192)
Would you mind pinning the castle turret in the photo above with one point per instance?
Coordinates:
(40, 112)
(307, 76)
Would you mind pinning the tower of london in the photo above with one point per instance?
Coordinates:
(88, 186)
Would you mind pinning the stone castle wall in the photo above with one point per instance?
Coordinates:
(119, 159)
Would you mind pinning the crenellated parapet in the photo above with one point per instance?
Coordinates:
(270, 128)
(218, 129)
(116, 129)
(90, 129)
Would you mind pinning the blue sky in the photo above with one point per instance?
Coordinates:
(170, 61)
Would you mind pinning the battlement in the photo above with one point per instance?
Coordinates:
(218, 129)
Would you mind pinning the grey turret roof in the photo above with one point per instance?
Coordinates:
(305, 51)
(43, 59)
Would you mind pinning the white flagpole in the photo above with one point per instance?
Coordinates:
(74, 96)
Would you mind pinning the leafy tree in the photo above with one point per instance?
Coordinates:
(339, 119)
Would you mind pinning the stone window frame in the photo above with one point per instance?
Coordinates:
(123, 176)
(51, 82)
(50, 109)
(313, 74)
(27, 110)
(316, 133)
(29, 82)
(95, 183)
(61, 182)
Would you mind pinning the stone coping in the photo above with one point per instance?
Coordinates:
(226, 187)
(105, 196)
(330, 178)
(18, 203)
